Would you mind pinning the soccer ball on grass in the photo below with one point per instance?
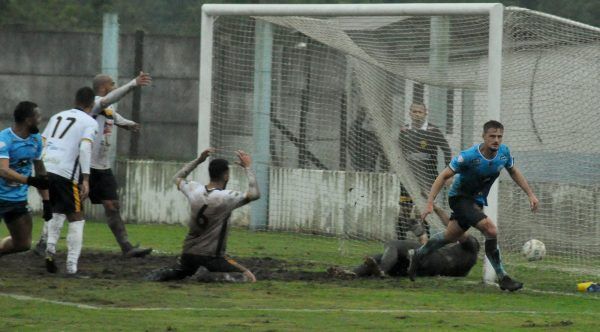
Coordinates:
(534, 250)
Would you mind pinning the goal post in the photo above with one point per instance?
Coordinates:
(425, 9)
(205, 92)
(494, 105)
(343, 106)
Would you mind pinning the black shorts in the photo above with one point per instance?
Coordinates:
(103, 186)
(466, 211)
(64, 195)
(10, 211)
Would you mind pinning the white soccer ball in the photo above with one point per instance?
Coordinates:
(534, 250)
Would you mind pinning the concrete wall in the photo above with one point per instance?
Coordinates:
(361, 205)
(48, 67)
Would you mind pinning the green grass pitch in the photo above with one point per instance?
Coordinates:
(31, 300)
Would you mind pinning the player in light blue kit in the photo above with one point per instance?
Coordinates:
(20, 149)
(477, 169)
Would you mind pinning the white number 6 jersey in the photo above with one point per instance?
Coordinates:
(63, 134)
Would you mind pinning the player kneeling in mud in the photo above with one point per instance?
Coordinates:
(203, 257)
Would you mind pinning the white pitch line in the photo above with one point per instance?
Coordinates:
(294, 310)
(580, 295)
(40, 299)
(538, 291)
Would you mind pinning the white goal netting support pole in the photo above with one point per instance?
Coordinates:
(261, 122)
(205, 93)
(110, 65)
(494, 106)
(439, 42)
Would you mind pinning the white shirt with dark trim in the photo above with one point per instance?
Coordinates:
(210, 216)
(63, 135)
(107, 118)
(424, 126)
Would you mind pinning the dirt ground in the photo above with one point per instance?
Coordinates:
(113, 266)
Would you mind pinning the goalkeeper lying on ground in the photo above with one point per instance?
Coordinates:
(455, 260)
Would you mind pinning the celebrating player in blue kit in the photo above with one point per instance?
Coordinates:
(477, 169)
(20, 149)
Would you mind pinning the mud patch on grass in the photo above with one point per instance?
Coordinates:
(113, 266)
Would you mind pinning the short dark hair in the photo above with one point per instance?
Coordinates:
(492, 124)
(85, 97)
(24, 110)
(217, 169)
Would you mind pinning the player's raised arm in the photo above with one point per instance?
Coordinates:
(520, 180)
(126, 124)
(245, 161)
(115, 95)
(436, 187)
(191, 166)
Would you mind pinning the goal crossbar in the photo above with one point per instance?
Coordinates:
(349, 9)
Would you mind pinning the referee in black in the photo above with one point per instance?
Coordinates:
(420, 141)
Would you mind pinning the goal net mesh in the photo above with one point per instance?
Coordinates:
(349, 149)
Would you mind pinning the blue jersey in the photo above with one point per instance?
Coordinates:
(476, 174)
(20, 153)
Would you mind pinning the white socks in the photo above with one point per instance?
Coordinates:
(74, 239)
(54, 226)
(74, 243)
(44, 236)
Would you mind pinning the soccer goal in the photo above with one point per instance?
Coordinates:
(349, 110)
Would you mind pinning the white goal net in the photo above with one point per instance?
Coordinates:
(352, 117)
